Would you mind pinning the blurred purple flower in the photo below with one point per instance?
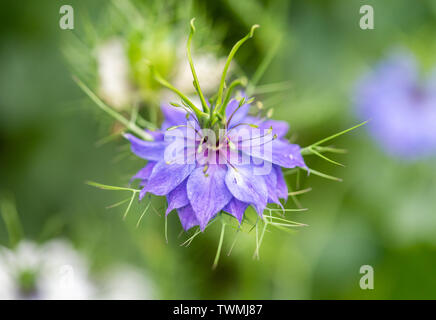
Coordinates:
(241, 168)
(401, 107)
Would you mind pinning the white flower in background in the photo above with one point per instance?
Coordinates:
(126, 283)
(113, 74)
(50, 271)
(209, 69)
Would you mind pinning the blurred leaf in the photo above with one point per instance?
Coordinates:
(12, 221)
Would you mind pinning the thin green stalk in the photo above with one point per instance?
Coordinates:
(200, 114)
(166, 228)
(229, 60)
(234, 242)
(109, 138)
(325, 158)
(130, 204)
(322, 175)
(241, 103)
(335, 135)
(190, 239)
(220, 244)
(232, 86)
(263, 66)
(194, 74)
(145, 123)
(321, 149)
(117, 204)
(295, 193)
(108, 187)
(265, 224)
(330, 149)
(128, 124)
(272, 87)
(257, 241)
(142, 215)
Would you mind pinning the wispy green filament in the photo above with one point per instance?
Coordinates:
(194, 74)
(227, 65)
(232, 86)
(128, 124)
(200, 114)
(220, 245)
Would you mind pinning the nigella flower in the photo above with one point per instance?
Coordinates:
(401, 106)
(241, 167)
(213, 156)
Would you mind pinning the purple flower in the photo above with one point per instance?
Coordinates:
(400, 105)
(206, 169)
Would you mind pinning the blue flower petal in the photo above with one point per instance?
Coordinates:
(178, 197)
(282, 188)
(173, 116)
(271, 185)
(145, 172)
(207, 192)
(165, 177)
(150, 150)
(187, 217)
(279, 152)
(279, 128)
(247, 187)
(236, 208)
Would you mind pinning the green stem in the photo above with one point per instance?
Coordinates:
(262, 67)
(200, 114)
(229, 59)
(233, 85)
(320, 149)
(220, 244)
(128, 207)
(261, 239)
(323, 175)
(166, 229)
(335, 135)
(194, 74)
(128, 124)
(325, 158)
